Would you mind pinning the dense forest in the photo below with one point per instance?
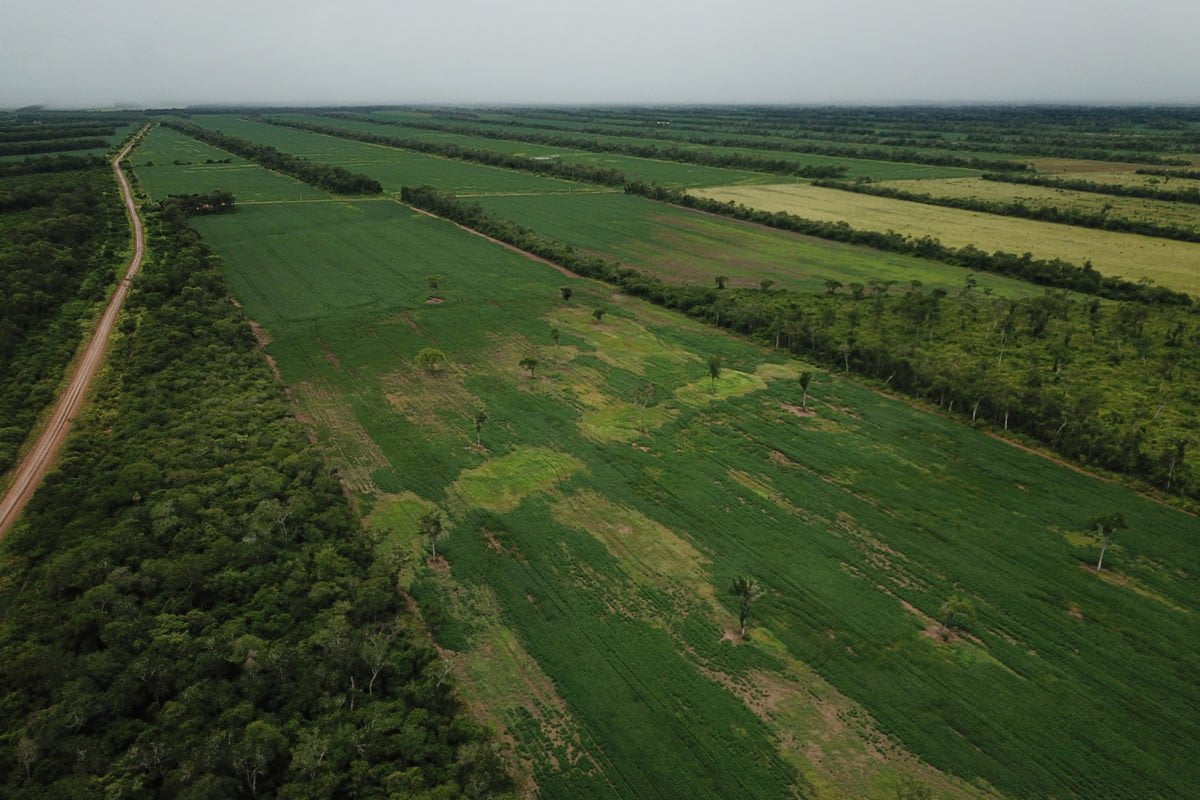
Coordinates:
(1102, 384)
(190, 608)
(333, 179)
(62, 239)
(1044, 272)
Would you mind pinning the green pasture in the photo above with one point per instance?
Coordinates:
(681, 245)
(168, 162)
(856, 167)
(666, 173)
(595, 528)
(391, 167)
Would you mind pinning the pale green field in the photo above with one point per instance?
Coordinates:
(1168, 263)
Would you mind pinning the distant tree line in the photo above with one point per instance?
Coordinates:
(32, 133)
(1018, 208)
(51, 146)
(950, 350)
(211, 620)
(1044, 272)
(338, 180)
(708, 158)
(44, 164)
(1187, 195)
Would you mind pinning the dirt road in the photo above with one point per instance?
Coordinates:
(37, 461)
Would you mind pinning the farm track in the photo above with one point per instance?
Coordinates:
(36, 463)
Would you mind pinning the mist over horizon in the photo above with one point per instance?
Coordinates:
(134, 53)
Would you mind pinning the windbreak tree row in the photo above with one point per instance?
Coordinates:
(1023, 210)
(772, 166)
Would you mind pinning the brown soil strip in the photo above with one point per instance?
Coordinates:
(37, 462)
(494, 240)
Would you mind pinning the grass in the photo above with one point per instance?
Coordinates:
(391, 167)
(583, 598)
(667, 173)
(681, 245)
(1168, 263)
(855, 167)
(1186, 215)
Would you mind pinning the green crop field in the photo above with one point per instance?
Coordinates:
(168, 162)
(855, 167)
(666, 173)
(581, 593)
(1169, 263)
(391, 167)
(682, 245)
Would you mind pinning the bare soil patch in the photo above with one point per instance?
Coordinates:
(798, 411)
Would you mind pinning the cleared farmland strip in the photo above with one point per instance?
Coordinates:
(611, 630)
(816, 156)
(169, 162)
(688, 246)
(391, 167)
(1161, 212)
(664, 172)
(1168, 263)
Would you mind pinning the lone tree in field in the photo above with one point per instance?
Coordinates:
(645, 397)
(567, 293)
(431, 359)
(721, 280)
(714, 372)
(831, 286)
(598, 313)
(434, 281)
(431, 528)
(765, 284)
(746, 590)
(554, 334)
(805, 380)
(480, 419)
(530, 363)
(1105, 526)
(956, 612)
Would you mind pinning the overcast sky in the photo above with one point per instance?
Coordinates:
(167, 52)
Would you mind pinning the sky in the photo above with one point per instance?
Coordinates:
(93, 53)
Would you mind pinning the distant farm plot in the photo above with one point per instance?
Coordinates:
(681, 245)
(1185, 215)
(582, 600)
(1169, 263)
(169, 162)
(666, 173)
(392, 167)
(856, 167)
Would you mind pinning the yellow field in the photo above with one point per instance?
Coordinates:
(1123, 178)
(1159, 212)
(1168, 263)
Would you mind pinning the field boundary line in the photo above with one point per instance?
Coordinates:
(37, 462)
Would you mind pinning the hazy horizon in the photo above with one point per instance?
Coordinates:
(135, 53)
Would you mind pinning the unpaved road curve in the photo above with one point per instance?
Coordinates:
(37, 461)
